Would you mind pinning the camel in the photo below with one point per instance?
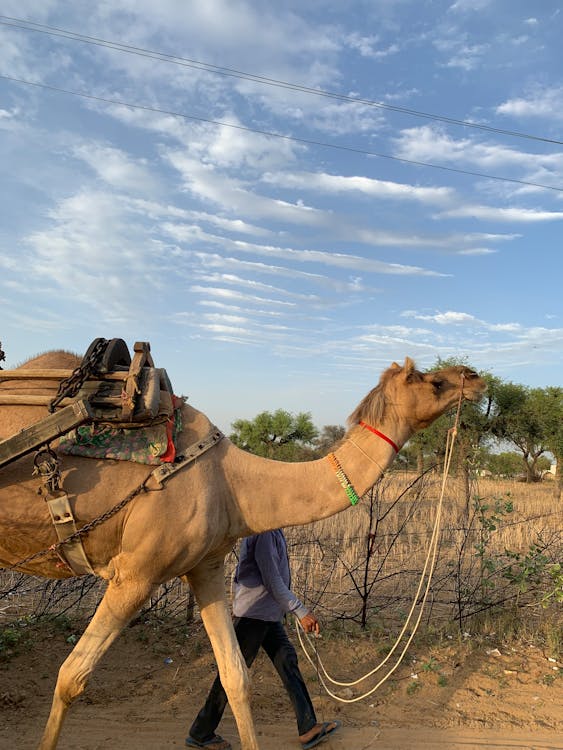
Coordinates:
(188, 527)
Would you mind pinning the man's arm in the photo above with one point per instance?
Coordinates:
(266, 556)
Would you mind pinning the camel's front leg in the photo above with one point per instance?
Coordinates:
(208, 584)
(120, 603)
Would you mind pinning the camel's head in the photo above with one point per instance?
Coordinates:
(409, 396)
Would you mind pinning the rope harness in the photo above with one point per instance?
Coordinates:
(427, 570)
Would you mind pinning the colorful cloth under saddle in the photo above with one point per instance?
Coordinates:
(154, 444)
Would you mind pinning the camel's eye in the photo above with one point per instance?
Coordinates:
(437, 384)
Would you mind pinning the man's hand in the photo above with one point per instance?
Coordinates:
(310, 624)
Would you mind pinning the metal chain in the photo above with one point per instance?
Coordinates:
(84, 530)
(69, 387)
(47, 466)
(109, 513)
(162, 473)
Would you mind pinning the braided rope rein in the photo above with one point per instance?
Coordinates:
(427, 570)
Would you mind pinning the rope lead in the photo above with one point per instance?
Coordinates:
(429, 565)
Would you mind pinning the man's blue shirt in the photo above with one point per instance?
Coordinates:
(263, 579)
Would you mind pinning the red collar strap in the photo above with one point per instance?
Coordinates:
(381, 435)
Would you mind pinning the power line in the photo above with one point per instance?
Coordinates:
(234, 73)
(270, 134)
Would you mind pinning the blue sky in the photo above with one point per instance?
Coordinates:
(285, 272)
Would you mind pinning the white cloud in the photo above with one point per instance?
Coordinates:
(225, 318)
(454, 44)
(519, 40)
(369, 46)
(456, 318)
(159, 211)
(234, 146)
(430, 143)
(447, 318)
(94, 254)
(503, 345)
(258, 33)
(341, 118)
(233, 307)
(542, 102)
(451, 243)
(495, 213)
(269, 40)
(478, 251)
(10, 119)
(341, 227)
(329, 115)
(117, 168)
(340, 260)
(469, 5)
(213, 260)
(467, 57)
(40, 319)
(232, 295)
(505, 327)
(204, 181)
(16, 55)
(255, 286)
(329, 183)
(37, 9)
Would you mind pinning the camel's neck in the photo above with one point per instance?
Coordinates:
(272, 494)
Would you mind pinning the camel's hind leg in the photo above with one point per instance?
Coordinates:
(119, 604)
(208, 584)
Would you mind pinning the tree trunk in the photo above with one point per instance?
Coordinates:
(419, 460)
(528, 467)
(464, 471)
(534, 475)
(190, 606)
(558, 477)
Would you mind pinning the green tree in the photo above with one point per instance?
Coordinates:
(552, 416)
(410, 458)
(279, 435)
(329, 436)
(524, 416)
(504, 464)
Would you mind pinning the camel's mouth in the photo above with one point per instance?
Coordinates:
(473, 386)
(476, 392)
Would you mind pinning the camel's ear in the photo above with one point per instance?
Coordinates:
(410, 372)
(395, 366)
(409, 366)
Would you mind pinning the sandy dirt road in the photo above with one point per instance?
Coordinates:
(151, 684)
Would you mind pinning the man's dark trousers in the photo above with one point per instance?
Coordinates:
(271, 636)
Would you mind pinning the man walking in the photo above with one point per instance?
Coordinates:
(262, 597)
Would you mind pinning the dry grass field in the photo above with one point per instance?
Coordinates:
(496, 549)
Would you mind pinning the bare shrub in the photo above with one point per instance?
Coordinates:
(364, 565)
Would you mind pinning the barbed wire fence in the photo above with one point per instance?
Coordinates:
(363, 566)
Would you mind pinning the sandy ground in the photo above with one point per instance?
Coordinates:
(146, 691)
